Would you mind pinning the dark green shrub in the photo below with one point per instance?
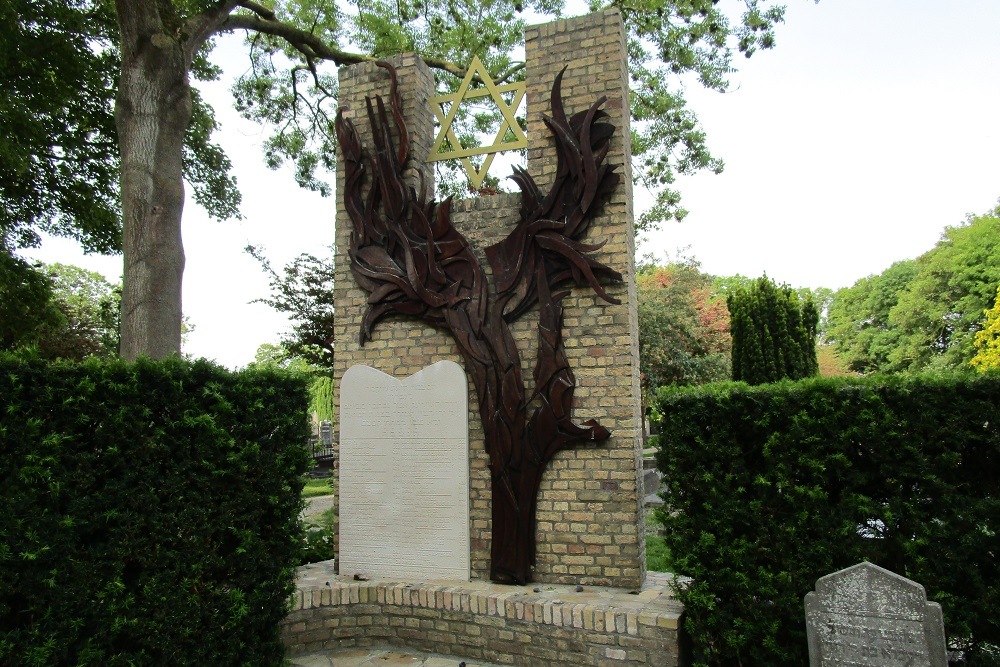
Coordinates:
(771, 487)
(149, 512)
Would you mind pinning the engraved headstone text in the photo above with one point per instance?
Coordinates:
(867, 616)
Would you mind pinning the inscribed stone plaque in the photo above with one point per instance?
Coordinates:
(404, 473)
(867, 616)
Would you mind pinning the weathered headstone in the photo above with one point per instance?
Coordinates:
(867, 616)
(404, 473)
(651, 482)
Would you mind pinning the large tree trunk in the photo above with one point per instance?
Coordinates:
(152, 112)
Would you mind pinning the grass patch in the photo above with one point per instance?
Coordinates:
(317, 487)
(657, 554)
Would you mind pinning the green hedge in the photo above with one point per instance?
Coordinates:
(149, 512)
(771, 487)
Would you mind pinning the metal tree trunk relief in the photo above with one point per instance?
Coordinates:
(406, 254)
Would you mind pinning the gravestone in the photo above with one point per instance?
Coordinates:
(404, 473)
(866, 616)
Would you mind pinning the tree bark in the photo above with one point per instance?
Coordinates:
(152, 112)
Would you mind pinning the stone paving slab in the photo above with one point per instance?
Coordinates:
(381, 657)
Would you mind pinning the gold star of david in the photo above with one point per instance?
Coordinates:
(509, 123)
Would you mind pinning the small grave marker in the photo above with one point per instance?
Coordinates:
(867, 616)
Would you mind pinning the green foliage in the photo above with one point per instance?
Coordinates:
(206, 166)
(657, 554)
(988, 339)
(822, 298)
(318, 539)
(149, 512)
(939, 312)
(274, 357)
(774, 333)
(304, 291)
(317, 487)
(25, 302)
(297, 96)
(321, 399)
(58, 147)
(830, 363)
(91, 310)
(683, 327)
(772, 487)
(723, 285)
(321, 403)
(859, 318)
(667, 42)
(923, 313)
(59, 156)
(61, 311)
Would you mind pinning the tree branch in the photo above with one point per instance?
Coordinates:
(259, 10)
(510, 72)
(202, 26)
(313, 46)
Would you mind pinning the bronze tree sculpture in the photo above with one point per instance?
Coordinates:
(411, 261)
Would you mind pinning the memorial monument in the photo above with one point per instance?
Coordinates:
(533, 286)
(532, 298)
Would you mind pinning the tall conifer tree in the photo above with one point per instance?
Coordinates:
(774, 333)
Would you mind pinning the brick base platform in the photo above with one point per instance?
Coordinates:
(534, 625)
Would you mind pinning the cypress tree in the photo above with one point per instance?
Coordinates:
(774, 333)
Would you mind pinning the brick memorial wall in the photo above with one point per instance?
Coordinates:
(590, 528)
(500, 624)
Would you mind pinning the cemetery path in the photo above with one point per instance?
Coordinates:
(381, 657)
(316, 506)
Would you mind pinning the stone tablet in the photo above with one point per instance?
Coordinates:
(404, 473)
(867, 616)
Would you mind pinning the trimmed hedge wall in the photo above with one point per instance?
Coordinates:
(771, 487)
(149, 512)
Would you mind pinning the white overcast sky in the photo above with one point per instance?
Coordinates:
(870, 127)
